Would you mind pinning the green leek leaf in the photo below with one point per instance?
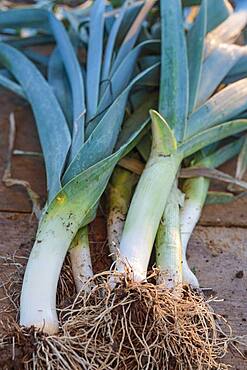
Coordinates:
(24, 18)
(174, 71)
(12, 86)
(76, 202)
(239, 70)
(103, 139)
(119, 81)
(111, 44)
(221, 155)
(215, 68)
(211, 135)
(57, 78)
(52, 127)
(31, 41)
(94, 56)
(137, 119)
(132, 35)
(218, 11)
(195, 45)
(219, 197)
(223, 106)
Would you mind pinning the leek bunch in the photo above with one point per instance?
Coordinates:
(78, 119)
(89, 116)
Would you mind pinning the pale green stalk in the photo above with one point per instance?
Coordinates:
(196, 190)
(149, 201)
(168, 242)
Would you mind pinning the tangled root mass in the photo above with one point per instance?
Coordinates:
(133, 326)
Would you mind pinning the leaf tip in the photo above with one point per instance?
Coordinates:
(163, 137)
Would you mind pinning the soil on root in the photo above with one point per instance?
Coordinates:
(133, 326)
(17, 346)
(12, 270)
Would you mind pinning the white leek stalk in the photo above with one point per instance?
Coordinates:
(81, 259)
(119, 196)
(195, 190)
(168, 242)
(38, 306)
(148, 203)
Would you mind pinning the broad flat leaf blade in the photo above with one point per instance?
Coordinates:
(94, 56)
(195, 47)
(211, 136)
(103, 139)
(220, 108)
(57, 78)
(33, 18)
(215, 68)
(12, 86)
(219, 197)
(174, 70)
(37, 58)
(77, 200)
(137, 119)
(119, 81)
(147, 60)
(52, 127)
(123, 73)
(239, 70)
(131, 13)
(75, 78)
(222, 155)
(132, 35)
(109, 50)
(22, 18)
(218, 12)
(31, 41)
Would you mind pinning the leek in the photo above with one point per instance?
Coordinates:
(196, 190)
(169, 243)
